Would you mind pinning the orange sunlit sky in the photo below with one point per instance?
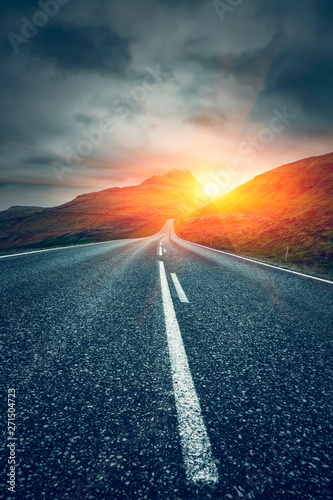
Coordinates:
(109, 93)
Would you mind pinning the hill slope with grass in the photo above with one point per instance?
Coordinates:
(290, 206)
(109, 214)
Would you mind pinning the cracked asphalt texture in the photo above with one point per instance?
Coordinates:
(84, 346)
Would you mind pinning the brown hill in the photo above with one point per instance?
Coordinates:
(290, 206)
(109, 214)
(291, 188)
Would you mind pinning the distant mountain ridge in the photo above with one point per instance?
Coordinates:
(109, 214)
(288, 207)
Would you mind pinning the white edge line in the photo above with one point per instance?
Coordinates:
(198, 459)
(57, 248)
(252, 260)
(74, 246)
(179, 288)
(77, 246)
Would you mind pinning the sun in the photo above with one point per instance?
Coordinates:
(212, 189)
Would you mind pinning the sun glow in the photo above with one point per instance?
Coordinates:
(212, 189)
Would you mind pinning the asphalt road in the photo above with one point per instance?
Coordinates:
(159, 369)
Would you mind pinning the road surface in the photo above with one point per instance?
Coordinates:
(158, 369)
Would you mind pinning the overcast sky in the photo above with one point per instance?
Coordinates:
(107, 93)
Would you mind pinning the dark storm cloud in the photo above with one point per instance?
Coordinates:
(320, 12)
(181, 3)
(89, 49)
(17, 5)
(302, 71)
(304, 76)
(40, 160)
(92, 54)
(324, 18)
(248, 66)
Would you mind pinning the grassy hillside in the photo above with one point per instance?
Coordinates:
(110, 214)
(290, 206)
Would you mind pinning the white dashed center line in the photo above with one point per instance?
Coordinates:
(179, 289)
(198, 459)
